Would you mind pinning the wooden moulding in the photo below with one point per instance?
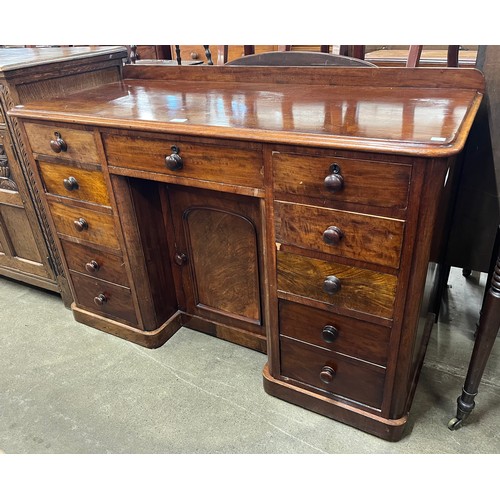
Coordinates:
(156, 338)
(150, 339)
(390, 430)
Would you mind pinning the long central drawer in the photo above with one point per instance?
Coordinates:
(210, 162)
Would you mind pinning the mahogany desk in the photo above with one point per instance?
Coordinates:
(298, 211)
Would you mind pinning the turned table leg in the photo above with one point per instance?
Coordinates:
(487, 330)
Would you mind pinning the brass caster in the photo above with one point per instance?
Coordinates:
(455, 423)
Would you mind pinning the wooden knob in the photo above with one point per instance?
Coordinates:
(57, 145)
(180, 259)
(331, 285)
(100, 300)
(174, 161)
(327, 374)
(92, 266)
(334, 181)
(194, 55)
(71, 183)
(332, 235)
(329, 333)
(80, 224)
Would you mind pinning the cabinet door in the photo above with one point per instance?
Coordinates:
(219, 250)
(22, 254)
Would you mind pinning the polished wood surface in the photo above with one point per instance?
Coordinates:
(294, 211)
(412, 120)
(218, 252)
(241, 166)
(77, 183)
(95, 262)
(80, 143)
(352, 337)
(104, 298)
(99, 227)
(372, 182)
(361, 290)
(358, 236)
(349, 378)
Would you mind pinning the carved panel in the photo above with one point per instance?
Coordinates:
(7, 102)
(6, 181)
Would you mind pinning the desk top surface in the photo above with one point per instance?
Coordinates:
(406, 119)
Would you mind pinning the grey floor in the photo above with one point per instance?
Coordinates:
(69, 389)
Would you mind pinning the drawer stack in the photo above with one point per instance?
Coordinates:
(339, 226)
(77, 195)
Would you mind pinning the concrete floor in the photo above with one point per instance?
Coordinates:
(69, 389)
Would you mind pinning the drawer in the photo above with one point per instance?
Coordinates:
(95, 263)
(73, 182)
(367, 182)
(360, 289)
(335, 232)
(104, 298)
(80, 144)
(96, 227)
(210, 162)
(333, 373)
(359, 339)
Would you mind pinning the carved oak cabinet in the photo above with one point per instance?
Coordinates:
(27, 249)
(296, 211)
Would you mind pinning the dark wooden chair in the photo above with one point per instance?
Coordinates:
(167, 53)
(415, 53)
(223, 51)
(298, 58)
(486, 334)
(413, 56)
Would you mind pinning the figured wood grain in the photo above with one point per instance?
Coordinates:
(200, 161)
(101, 228)
(359, 339)
(111, 266)
(91, 184)
(118, 302)
(220, 235)
(361, 290)
(81, 145)
(374, 182)
(365, 238)
(353, 380)
(224, 258)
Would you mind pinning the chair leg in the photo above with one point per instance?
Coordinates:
(489, 324)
